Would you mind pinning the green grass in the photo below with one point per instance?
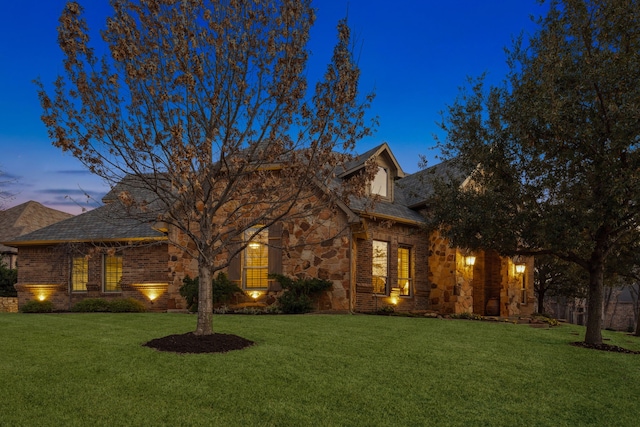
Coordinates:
(311, 370)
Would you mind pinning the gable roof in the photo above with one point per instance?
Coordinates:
(108, 223)
(26, 218)
(360, 160)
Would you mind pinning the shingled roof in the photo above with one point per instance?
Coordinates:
(107, 223)
(419, 187)
(26, 218)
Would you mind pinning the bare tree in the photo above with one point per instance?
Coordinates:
(205, 105)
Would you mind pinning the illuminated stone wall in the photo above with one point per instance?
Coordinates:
(8, 305)
(489, 287)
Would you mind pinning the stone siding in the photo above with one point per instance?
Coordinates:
(489, 287)
(8, 305)
(314, 246)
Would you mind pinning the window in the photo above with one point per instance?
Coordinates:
(255, 266)
(404, 271)
(523, 291)
(380, 182)
(79, 274)
(112, 273)
(380, 264)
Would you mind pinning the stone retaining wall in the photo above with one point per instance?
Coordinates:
(8, 305)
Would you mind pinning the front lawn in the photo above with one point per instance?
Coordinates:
(311, 370)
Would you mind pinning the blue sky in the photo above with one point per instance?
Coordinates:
(415, 54)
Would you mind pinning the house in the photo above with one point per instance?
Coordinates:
(381, 256)
(23, 219)
(619, 308)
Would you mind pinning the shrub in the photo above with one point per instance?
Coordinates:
(546, 319)
(223, 290)
(386, 310)
(189, 291)
(299, 293)
(100, 305)
(92, 305)
(467, 315)
(8, 278)
(35, 306)
(126, 305)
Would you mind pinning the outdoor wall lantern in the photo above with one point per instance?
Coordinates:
(520, 268)
(469, 260)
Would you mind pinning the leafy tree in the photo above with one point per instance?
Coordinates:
(8, 278)
(555, 277)
(205, 105)
(552, 153)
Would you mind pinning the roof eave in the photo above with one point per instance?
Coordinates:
(114, 240)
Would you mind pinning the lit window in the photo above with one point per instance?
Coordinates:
(79, 274)
(112, 273)
(380, 183)
(404, 271)
(380, 266)
(255, 268)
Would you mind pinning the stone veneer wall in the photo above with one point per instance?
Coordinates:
(456, 288)
(315, 246)
(318, 246)
(8, 305)
(397, 235)
(442, 275)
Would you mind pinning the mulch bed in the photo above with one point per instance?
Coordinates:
(604, 347)
(191, 343)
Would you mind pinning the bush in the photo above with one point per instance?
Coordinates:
(386, 310)
(8, 278)
(290, 303)
(189, 291)
(99, 305)
(35, 306)
(299, 293)
(467, 315)
(127, 305)
(223, 290)
(92, 305)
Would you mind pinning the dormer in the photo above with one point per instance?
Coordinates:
(389, 171)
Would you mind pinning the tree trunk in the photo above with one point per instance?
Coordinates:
(205, 300)
(594, 303)
(541, 293)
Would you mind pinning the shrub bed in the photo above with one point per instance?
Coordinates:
(99, 305)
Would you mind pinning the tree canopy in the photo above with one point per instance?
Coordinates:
(205, 105)
(552, 153)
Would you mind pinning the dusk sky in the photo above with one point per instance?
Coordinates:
(415, 54)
